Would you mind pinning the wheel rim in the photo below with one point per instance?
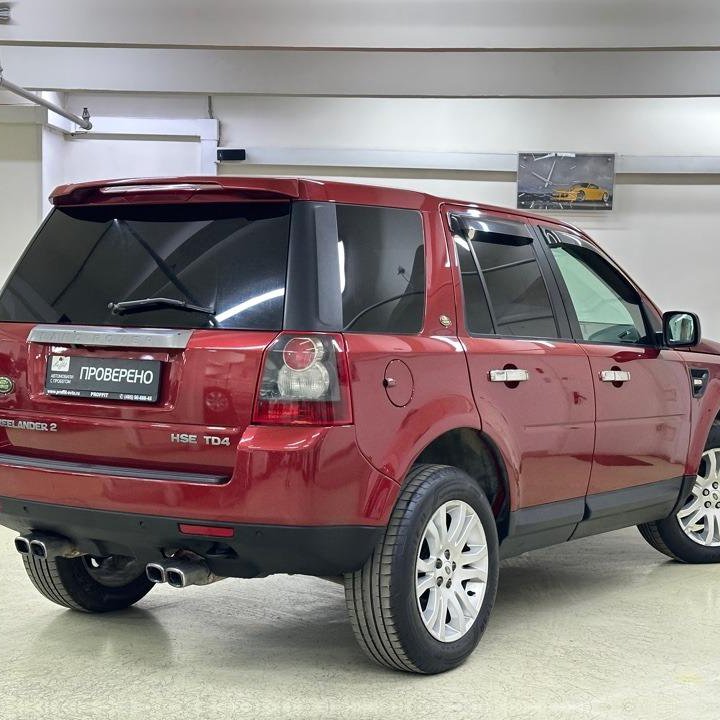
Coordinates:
(700, 516)
(451, 571)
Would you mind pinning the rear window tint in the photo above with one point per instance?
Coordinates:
(230, 258)
(382, 269)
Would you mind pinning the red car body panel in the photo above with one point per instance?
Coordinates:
(545, 430)
(642, 426)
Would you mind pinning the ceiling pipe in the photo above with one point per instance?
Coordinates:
(83, 122)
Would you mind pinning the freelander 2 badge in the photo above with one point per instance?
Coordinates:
(6, 385)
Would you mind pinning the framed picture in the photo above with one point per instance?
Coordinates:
(565, 181)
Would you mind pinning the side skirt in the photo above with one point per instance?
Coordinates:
(552, 523)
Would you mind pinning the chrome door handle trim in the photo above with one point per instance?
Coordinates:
(510, 375)
(614, 376)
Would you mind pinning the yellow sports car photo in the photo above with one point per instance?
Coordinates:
(580, 192)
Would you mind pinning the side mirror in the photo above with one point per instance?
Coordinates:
(680, 329)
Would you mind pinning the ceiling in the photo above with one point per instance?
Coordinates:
(416, 48)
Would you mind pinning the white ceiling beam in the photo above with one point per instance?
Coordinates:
(371, 24)
(370, 74)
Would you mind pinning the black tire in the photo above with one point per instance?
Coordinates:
(69, 582)
(580, 197)
(606, 197)
(669, 538)
(381, 597)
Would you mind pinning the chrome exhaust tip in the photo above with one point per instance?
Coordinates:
(184, 573)
(155, 573)
(176, 578)
(39, 549)
(22, 545)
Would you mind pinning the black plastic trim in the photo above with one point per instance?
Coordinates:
(629, 506)
(488, 223)
(24, 461)
(313, 301)
(552, 523)
(253, 551)
(541, 526)
(703, 376)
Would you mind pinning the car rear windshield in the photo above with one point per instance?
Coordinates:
(228, 261)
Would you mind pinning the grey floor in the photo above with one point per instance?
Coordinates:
(600, 628)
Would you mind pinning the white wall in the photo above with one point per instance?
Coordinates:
(663, 230)
(20, 182)
(89, 159)
(374, 23)
(662, 126)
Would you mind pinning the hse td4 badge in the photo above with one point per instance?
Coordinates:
(193, 439)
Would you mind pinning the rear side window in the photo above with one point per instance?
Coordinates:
(515, 301)
(230, 259)
(382, 269)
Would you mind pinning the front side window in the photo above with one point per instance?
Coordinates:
(607, 307)
(382, 269)
(519, 302)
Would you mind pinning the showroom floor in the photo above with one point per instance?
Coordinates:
(639, 637)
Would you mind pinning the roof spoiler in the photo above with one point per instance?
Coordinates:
(174, 190)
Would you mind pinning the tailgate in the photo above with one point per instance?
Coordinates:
(205, 394)
(131, 333)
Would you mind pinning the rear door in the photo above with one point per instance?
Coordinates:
(154, 385)
(642, 390)
(531, 381)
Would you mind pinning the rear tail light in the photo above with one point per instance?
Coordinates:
(305, 381)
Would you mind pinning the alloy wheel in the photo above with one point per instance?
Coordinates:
(700, 516)
(451, 571)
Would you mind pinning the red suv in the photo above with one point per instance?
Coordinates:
(204, 378)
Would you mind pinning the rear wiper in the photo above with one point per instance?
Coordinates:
(120, 308)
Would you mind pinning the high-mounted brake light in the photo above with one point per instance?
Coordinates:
(305, 381)
(187, 187)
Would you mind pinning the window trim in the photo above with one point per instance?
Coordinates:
(524, 230)
(551, 239)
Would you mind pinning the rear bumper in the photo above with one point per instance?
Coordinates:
(253, 550)
(290, 476)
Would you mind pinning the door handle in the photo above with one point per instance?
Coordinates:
(614, 376)
(509, 375)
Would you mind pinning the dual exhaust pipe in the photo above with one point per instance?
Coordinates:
(181, 572)
(45, 547)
